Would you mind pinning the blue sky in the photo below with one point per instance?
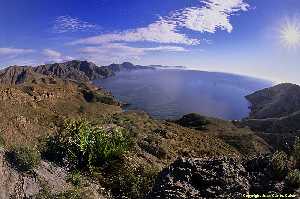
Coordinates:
(236, 36)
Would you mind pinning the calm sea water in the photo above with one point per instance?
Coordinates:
(171, 93)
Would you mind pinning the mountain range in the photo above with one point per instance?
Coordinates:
(75, 70)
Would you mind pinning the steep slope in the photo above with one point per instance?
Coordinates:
(278, 101)
(275, 109)
(21, 74)
(275, 115)
(29, 111)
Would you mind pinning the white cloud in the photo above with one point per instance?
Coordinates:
(54, 56)
(69, 24)
(215, 14)
(166, 49)
(212, 15)
(52, 53)
(119, 52)
(12, 52)
(161, 31)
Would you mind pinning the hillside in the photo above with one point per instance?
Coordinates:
(21, 74)
(275, 110)
(275, 102)
(275, 115)
(89, 147)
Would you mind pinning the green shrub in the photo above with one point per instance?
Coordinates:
(296, 152)
(92, 96)
(70, 194)
(293, 178)
(53, 149)
(2, 142)
(134, 183)
(86, 145)
(75, 178)
(81, 109)
(193, 120)
(25, 158)
(279, 163)
(106, 100)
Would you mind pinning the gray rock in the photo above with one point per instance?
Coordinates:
(15, 184)
(202, 178)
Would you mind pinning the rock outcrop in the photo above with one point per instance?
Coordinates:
(218, 178)
(202, 178)
(14, 184)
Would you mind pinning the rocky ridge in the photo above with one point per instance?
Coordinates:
(81, 71)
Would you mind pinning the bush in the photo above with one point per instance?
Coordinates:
(81, 109)
(92, 96)
(2, 142)
(86, 145)
(52, 149)
(70, 194)
(296, 152)
(134, 183)
(25, 158)
(75, 178)
(193, 120)
(279, 163)
(293, 179)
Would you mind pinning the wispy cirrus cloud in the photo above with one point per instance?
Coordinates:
(210, 16)
(67, 23)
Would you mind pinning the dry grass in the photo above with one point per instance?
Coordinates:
(26, 115)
